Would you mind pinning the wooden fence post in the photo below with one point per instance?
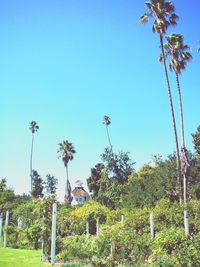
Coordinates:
(186, 224)
(5, 231)
(97, 225)
(122, 219)
(87, 227)
(53, 236)
(151, 226)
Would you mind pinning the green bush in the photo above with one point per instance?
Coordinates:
(113, 246)
(15, 237)
(172, 248)
(80, 247)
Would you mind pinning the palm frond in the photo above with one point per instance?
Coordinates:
(177, 50)
(33, 126)
(145, 17)
(66, 151)
(161, 58)
(106, 120)
(173, 19)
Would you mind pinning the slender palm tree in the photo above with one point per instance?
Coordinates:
(179, 56)
(34, 128)
(107, 121)
(66, 152)
(162, 11)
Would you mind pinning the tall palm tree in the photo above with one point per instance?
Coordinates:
(66, 152)
(34, 128)
(162, 11)
(179, 56)
(107, 121)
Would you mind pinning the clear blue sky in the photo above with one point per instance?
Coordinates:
(67, 63)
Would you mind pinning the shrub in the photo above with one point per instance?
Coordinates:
(80, 247)
(172, 248)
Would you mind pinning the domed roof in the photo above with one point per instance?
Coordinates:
(79, 192)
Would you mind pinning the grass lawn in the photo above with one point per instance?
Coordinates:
(10, 257)
(20, 258)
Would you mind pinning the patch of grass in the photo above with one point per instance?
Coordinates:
(20, 258)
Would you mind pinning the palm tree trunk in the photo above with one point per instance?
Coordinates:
(67, 188)
(181, 110)
(182, 134)
(31, 161)
(67, 173)
(184, 188)
(173, 121)
(108, 138)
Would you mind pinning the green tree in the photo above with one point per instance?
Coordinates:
(162, 12)
(34, 128)
(7, 200)
(46, 209)
(107, 179)
(151, 184)
(179, 56)
(194, 177)
(3, 184)
(94, 180)
(31, 228)
(51, 184)
(37, 187)
(194, 171)
(196, 140)
(105, 195)
(156, 159)
(119, 166)
(66, 152)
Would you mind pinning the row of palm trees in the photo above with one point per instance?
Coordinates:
(163, 14)
(66, 152)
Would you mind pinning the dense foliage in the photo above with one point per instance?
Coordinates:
(113, 228)
(117, 242)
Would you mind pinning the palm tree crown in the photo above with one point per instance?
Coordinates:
(33, 127)
(163, 13)
(179, 56)
(106, 120)
(177, 50)
(66, 151)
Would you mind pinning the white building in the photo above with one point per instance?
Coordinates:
(79, 194)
